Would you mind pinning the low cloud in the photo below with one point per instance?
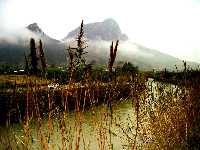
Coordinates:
(15, 36)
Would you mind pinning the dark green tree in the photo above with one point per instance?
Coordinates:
(129, 68)
(26, 64)
(33, 56)
(42, 57)
(71, 66)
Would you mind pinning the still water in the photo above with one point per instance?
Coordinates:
(98, 127)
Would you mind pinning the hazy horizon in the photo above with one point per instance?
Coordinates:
(170, 26)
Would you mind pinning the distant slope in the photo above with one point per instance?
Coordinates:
(144, 58)
(158, 60)
(54, 49)
(100, 34)
(12, 52)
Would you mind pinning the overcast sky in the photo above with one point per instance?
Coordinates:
(171, 26)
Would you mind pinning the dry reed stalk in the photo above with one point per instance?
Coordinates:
(113, 52)
(63, 130)
(26, 123)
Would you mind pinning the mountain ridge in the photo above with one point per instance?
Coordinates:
(98, 49)
(107, 30)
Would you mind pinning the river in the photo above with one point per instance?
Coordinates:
(98, 127)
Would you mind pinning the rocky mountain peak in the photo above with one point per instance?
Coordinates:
(34, 28)
(106, 30)
(110, 21)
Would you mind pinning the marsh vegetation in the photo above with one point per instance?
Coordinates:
(86, 106)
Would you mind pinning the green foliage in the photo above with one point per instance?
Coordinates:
(33, 56)
(129, 68)
(58, 74)
(9, 69)
(32, 65)
(42, 57)
(99, 73)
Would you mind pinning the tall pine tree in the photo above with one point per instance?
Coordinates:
(33, 56)
(42, 57)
